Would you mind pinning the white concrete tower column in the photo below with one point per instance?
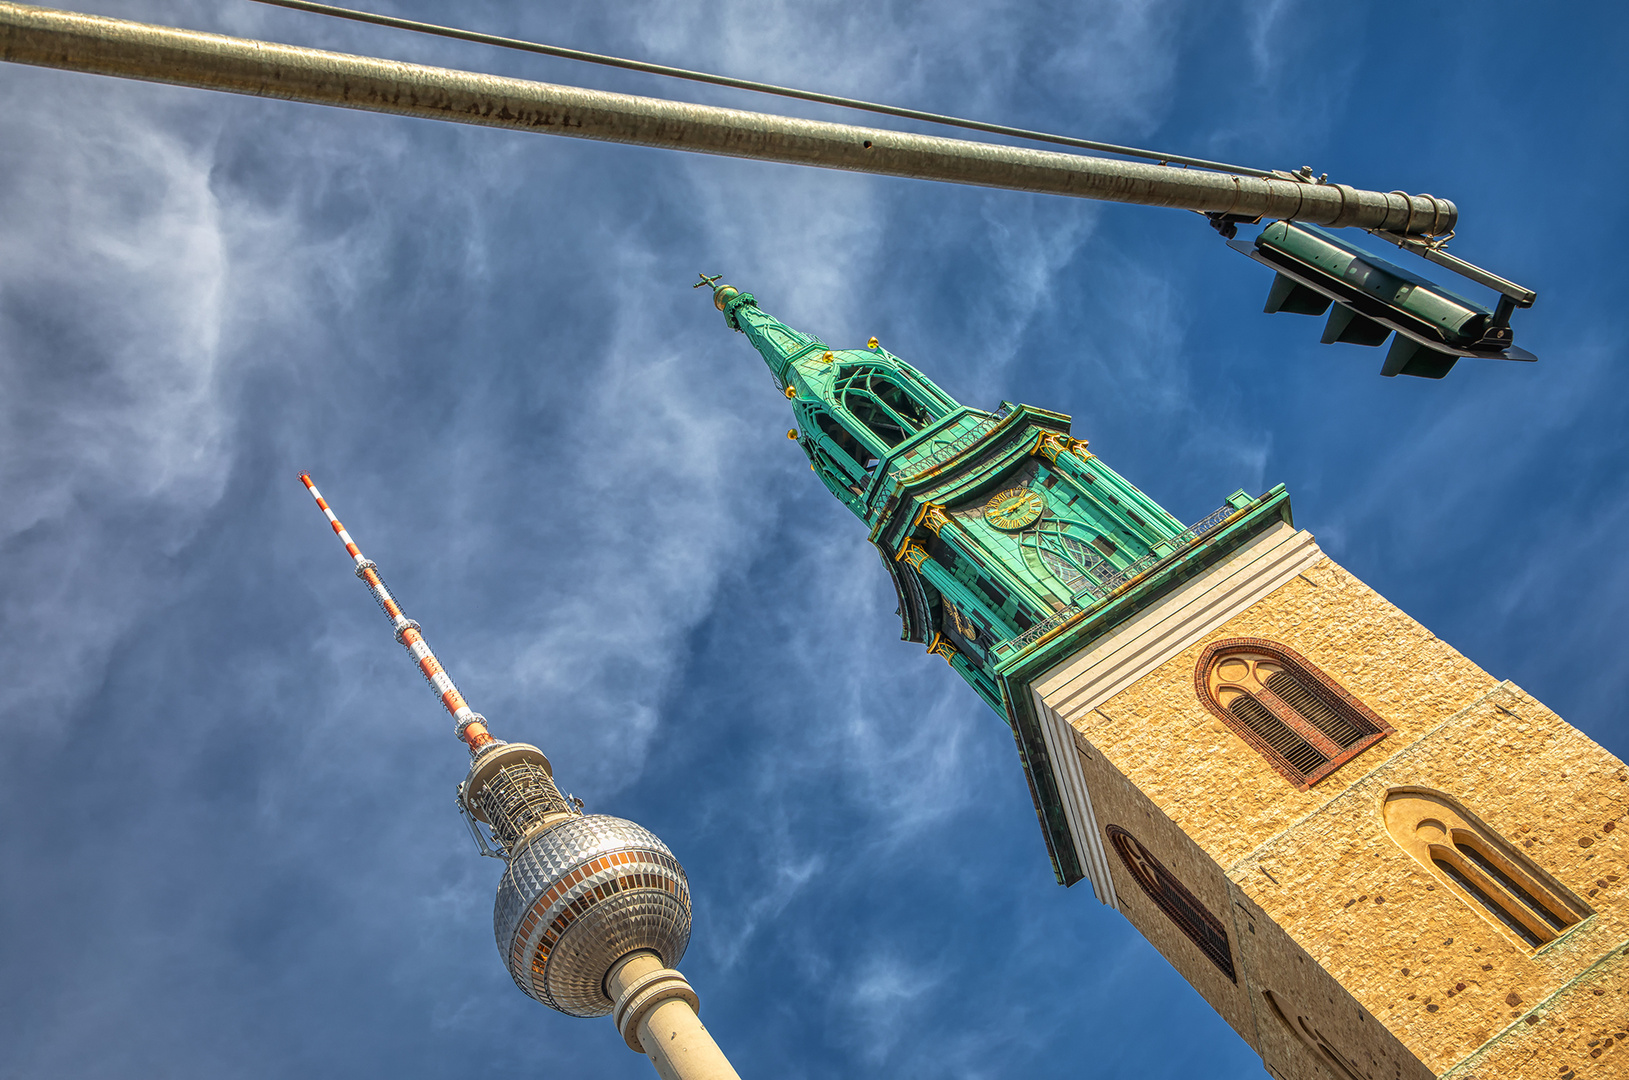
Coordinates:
(656, 1014)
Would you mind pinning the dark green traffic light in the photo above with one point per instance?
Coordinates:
(1370, 299)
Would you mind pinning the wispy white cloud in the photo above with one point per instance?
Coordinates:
(882, 997)
(1266, 21)
(112, 306)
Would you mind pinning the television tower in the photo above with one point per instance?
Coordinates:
(593, 911)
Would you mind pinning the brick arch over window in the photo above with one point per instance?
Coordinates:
(1481, 867)
(1302, 721)
(1173, 898)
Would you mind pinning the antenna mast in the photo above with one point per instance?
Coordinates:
(471, 724)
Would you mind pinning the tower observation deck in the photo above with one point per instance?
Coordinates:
(593, 911)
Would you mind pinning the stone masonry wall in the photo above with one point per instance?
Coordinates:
(1421, 968)
(1117, 801)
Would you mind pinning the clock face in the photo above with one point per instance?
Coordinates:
(1014, 508)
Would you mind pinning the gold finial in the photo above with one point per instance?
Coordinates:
(722, 294)
(871, 343)
(793, 434)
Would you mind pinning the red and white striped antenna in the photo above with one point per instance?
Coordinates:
(471, 724)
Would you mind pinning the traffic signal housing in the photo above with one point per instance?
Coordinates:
(1370, 299)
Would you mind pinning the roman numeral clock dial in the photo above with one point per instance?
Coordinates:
(1014, 508)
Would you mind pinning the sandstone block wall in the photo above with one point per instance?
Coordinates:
(1387, 972)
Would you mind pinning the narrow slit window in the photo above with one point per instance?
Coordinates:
(996, 593)
(1480, 895)
(1179, 905)
(1284, 707)
(1479, 866)
(857, 457)
(1468, 849)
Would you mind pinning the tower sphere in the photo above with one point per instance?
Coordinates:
(578, 896)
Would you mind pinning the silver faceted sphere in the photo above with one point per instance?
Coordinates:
(578, 897)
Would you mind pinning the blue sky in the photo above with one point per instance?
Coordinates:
(226, 819)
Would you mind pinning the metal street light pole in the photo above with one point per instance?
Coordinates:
(72, 41)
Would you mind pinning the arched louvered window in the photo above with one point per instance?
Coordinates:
(1480, 867)
(1173, 898)
(1297, 717)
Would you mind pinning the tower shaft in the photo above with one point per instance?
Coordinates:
(657, 1016)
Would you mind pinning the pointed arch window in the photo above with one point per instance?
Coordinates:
(883, 406)
(1173, 898)
(1071, 555)
(1307, 1033)
(1481, 867)
(1302, 721)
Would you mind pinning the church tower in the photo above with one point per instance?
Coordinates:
(1375, 860)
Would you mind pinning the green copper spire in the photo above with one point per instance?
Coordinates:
(860, 412)
(1009, 543)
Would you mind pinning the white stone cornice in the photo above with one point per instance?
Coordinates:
(1067, 692)
(1077, 685)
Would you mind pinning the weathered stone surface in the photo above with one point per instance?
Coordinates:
(1224, 794)
(1353, 959)
(1308, 1025)
(1365, 911)
(1117, 801)
(1580, 1034)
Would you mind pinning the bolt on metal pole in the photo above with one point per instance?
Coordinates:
(72, 41)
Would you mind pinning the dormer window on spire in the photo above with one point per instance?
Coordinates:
(883, 406)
